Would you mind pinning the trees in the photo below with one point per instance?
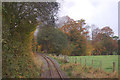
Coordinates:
(107, 31)
(103, 41)
(119, 46)
(19, 22)
(77, 35)
(20, 19)
(95, 33)
(52, 40)
(90, 48)
(110, 45)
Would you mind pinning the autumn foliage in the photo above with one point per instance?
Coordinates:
(77, 35)
(102, 42)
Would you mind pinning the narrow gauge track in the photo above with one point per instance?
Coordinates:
(48, 60)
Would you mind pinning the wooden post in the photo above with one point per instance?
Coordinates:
(80, 61)
(113, 66)
(64, 68)
(68, 60)
(76, 60)
(72, 59)
(92, 62)
(85, 62)
(100, 65)
(65, 58)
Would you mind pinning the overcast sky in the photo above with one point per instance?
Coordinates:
(99, 12)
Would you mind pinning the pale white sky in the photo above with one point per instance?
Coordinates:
(99, 12)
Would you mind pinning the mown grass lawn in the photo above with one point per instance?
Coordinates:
(107, 61)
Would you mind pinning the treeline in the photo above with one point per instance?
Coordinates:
(73, 38)
(104, 42)
(19, 22)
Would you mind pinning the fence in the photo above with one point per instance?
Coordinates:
(77, 60)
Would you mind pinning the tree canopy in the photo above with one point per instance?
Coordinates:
(77, 35)
(103, 41)
(51, 39)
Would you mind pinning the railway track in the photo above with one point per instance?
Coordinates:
(53, 73)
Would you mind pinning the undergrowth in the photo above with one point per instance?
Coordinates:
(20, 67)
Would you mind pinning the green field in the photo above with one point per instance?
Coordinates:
(107, 61)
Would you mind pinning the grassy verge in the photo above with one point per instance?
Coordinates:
(80, 71)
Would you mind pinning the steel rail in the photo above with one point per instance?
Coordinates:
(48, 65)
(60, 75)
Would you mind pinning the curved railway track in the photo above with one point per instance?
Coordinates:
(51, 73)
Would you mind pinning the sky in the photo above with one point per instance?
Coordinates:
(101, 13)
